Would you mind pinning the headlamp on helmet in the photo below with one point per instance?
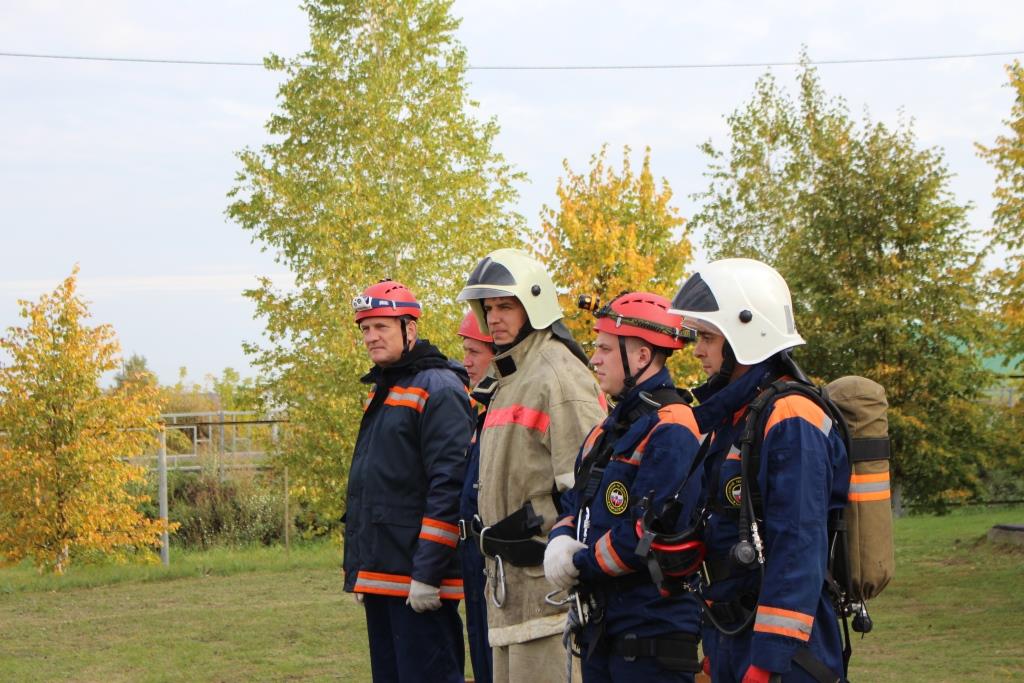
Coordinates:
(368, 303)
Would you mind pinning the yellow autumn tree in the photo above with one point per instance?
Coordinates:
(66, 491)
(615, 231)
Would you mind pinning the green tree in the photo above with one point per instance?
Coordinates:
(1007, 238)
(614, 231)
(134, 372)
(66, 491)
(1007, 234)
(377, 169)
(879, 257)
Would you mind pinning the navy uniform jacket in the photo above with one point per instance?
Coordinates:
(804, 474)
(406, 474)
(653, 455)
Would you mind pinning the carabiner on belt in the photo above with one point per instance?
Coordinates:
(497, 581)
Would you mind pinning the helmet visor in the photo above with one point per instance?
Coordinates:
(695, 296)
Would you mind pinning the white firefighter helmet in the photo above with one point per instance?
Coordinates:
(513, 272)
(748, 301)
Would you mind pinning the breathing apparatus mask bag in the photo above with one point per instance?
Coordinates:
(868, 515)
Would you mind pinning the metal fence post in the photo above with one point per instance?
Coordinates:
(287, 517)
(161, 460)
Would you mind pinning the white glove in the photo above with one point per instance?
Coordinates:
(558, 566)
(423, 598)
(358, 598)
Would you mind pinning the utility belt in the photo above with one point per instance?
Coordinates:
(674, 651)
(512, 539)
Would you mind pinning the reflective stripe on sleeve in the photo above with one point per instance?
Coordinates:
(868, 487)
(784, 622)
(382, 584)
(609, 560)
(397, 585)
(439, 532)
(408, 397)
(565, 521)
(733, 454)
(451, 589)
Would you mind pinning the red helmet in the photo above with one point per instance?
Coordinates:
(645, 316)
(470, 329)
(387, 298)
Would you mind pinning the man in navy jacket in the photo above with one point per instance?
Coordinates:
(767, 577)
(478, 350)
(402, 506)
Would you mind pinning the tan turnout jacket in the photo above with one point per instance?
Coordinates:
(537, 419)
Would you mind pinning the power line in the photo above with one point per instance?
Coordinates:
(557, 67)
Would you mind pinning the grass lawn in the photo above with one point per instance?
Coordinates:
(260, 614)
(954, 611)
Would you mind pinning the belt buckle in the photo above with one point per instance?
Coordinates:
(629, 637)
(480, 539)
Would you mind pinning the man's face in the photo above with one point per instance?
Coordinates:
(709, 346)
(505, 317)
(476, 357)
(607, 362)
(382, 337)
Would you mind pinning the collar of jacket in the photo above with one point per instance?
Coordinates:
(483, 391)
(633, 432)
(656, 381)
(509, 361)
(422, 356)
(716, 406)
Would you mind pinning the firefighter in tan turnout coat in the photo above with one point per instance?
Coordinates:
(545, 403)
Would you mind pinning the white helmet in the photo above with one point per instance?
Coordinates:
(748, 301)
(513, 272)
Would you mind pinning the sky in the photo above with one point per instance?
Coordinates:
(124, 168)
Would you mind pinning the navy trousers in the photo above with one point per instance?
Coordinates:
(406, 647)
(476, 612)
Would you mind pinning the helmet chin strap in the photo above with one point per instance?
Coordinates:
(405, 336)
(629, 380)
(721, 378)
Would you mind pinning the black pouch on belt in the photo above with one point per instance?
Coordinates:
(513, 538)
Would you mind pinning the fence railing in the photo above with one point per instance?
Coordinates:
(217, 441)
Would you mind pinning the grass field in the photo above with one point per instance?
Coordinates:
(952, 614)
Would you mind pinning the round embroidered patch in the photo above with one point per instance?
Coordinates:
(616, 497)
(733, 489)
